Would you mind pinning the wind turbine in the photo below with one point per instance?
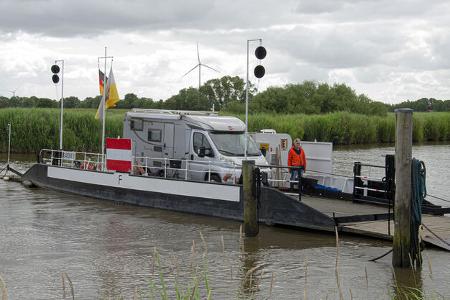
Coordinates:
(13, 92)
(199, 65)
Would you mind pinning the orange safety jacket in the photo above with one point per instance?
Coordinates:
(297, 160)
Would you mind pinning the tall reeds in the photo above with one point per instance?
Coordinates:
(34, 129)
(343, 128)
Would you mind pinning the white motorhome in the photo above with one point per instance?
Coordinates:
(209, 146)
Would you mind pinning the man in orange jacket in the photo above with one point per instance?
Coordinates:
(296, 158)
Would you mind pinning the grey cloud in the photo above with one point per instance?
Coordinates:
(380, 47)
(318, 7)
(84, 17)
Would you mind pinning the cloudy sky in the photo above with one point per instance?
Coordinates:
(389, 50)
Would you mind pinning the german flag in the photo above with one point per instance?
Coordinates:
(111, 97)
(101, 81)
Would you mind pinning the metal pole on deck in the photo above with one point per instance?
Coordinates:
(9, 144)
(62, 106)
(402, 211)
(251, 226)
(103, 108)
(299, 185)
(104, 114)
(246, 96)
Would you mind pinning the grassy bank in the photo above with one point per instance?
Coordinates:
(34, 129)
(346, 128)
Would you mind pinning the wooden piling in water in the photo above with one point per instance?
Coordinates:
(402, 211)
(251, 226)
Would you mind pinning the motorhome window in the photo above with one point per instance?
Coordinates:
(200, 140)
(137, 125)
(233, 143)
(154, 135)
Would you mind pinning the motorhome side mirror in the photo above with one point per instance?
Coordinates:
(201, 152)
(209, 152)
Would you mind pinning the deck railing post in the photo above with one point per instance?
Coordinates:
(402, 211)
(251, 227)
(299, 184)
(165, 167)
(357, 182)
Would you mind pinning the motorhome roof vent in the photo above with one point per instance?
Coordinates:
(272, 131)
(175, 112)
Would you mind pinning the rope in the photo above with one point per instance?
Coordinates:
(418, 194)
(381, 256)
(257, 176)
(439, 198)
(438, 237)
(3, 170)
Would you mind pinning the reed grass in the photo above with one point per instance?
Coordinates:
(3, 289)
(64, 278)
(343, 128)
(34, 129)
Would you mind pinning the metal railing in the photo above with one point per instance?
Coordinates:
(369, 185)
(183, 168)
(198, 170)
(146, 166)
(72, 159)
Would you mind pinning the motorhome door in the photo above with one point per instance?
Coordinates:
(201, 155)
(169, 135)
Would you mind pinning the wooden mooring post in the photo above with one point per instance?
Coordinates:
(251, 226)
(402, 210)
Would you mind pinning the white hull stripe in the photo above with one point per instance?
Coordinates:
(148, 184)
(118, 154)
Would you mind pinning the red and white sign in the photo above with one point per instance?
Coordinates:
(118, 154)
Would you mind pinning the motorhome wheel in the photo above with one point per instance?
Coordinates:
(215, 178)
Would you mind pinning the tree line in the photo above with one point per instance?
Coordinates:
(228, 94)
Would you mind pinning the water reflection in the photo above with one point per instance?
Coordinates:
(251, 267)
(407, 283)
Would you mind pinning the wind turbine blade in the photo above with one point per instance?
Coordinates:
(198, 56)
(211, 68)
(191, 70)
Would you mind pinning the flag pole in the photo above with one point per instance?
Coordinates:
(103, 106)
(61, 102)
(104, 115)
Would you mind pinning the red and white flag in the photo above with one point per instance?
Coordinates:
(118, 154)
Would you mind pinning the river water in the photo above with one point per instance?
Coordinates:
(111, 251)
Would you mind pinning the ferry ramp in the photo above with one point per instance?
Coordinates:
(375, 220)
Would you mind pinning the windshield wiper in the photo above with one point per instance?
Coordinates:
(227, 152)
(253, 154)
(237, 154)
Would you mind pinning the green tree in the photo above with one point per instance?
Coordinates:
(221, 91)
(71, 102)
(187, 99)
(45, 102)
(90, 102)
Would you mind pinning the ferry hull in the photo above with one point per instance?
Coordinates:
(218, 200)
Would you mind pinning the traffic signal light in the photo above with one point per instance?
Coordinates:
(55, 70)
(260, 53)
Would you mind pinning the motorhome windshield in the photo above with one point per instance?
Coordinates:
(232, 143)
